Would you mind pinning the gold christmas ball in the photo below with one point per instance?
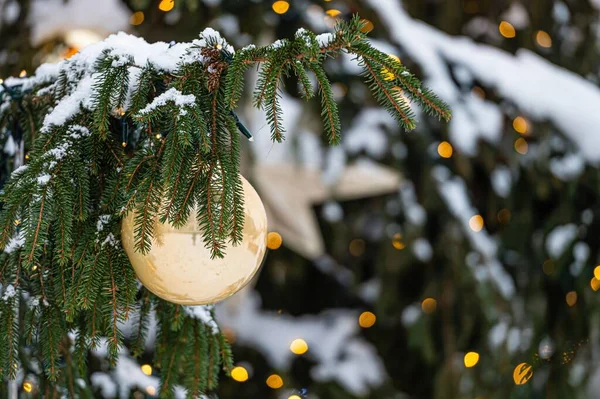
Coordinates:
(178, 267)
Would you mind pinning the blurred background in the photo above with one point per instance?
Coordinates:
(454, 261)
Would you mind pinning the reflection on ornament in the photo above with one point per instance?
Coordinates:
(178, 267)
(523, 373)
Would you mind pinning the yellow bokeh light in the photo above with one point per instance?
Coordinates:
(523, 373)
(239, 374)
(27, 386)
(136, 18)
(166, 5)
(387, 74)
(70, 52)
(543, 39)
(476, 223)
(299, 346)
(597, 272)
(274, 381)
(471, 359)
(504, 216)
(521, 146)
(147, 369)
(397, 242)
(281, 7)
(367, 26)
(357, 247)
(151, 390)
(274, 240)
(294, 397)
(367, 319)
(429, 305)
(571, 298)
(548, 267)
(520, 125)
(445, 149)
(23, 73)
(507, 30)
(333, 13)
(595, 284)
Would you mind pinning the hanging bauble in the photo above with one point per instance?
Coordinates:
(179, 268)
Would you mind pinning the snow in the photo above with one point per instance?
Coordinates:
(172, 95)
(454, 192)
(525, 79)
(70, 105)
(203, 313)
(325, 39)
(43, 179)
(568, 167)
(103, 17)
(9, 292)
(501, 179)
(559, 238)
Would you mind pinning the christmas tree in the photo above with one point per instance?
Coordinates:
(125, 126)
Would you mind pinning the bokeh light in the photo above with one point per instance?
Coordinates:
(166, 5)
(597, 272)
(522, 373)
(571, 298)
(445, 149)
(507, 30)
(356, 247)
(147, 369)
(476, 223)
(274, 381)
(281, 7)
(299, 346)
(397, 242)
(151, 390)
(136, 18)
(333, 13)
(543, 39)
(368, 26)
(274, 240)
(239, 374)
(471, 359)
(387, 74)
(429, 305)
(520, 125)
(27, 386)
(367, 319)
(521, 146)
(548, 267)
(504, 216)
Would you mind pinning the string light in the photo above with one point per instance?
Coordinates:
(281, 7)
(471, 359)
(166, 5)
(147, 369)
(507, 30)
(274, 240)
(299, 346)
(23, 73)
(523, 373)
(1, 81)
(137, 18)
(571, 298)
(27, 386)
(397, 242)
(124, 144)
(429, 305)
(158, 136)
(367, 319)
(520, 125)
(543, 39)
(476, 223)
(274, 381)
(294, 397)
(239, 374)
(26, 156)
(445, 149)
(521, 146)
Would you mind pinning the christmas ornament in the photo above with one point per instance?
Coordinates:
(178, 267)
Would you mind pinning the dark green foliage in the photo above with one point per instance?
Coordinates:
(64, 270)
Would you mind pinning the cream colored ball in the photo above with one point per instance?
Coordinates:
(178, 267)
